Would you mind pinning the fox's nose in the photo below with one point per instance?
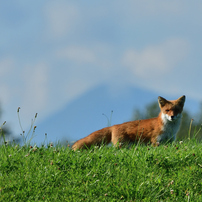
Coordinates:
(172, 118)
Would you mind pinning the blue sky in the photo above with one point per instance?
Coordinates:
(54, 51)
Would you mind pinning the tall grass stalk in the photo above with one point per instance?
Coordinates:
(2, 132)
(27, 138)
(109, 120)
(190, 126)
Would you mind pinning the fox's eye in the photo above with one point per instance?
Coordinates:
(167, 110)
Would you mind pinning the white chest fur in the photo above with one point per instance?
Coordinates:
(169, 128)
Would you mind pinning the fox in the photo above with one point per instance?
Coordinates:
(162, 128)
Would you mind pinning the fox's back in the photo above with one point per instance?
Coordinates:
(133, 130)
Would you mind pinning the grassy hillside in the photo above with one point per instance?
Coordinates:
(141, 173)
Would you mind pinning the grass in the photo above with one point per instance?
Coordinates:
(142, 173)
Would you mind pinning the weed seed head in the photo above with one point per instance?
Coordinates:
(27, 155)
(34, 149)
(18, 109)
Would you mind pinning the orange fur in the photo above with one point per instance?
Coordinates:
(159, 129)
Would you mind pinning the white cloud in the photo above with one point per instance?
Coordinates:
(35, 90)
(6, 66)
(78, 54)
(5, 94)
(157, 59)
(160, 7)
(140, 9)
(61, 17)
(94, 60)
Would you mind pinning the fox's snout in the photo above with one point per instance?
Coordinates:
(173, 117)
(170, 117)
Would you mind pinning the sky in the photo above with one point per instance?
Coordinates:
(51, 52)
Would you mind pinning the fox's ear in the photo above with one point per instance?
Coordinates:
(162, 101)
(181, 100)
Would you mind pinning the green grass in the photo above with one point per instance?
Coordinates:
(142, 173)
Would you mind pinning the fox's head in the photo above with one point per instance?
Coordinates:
(171, 109)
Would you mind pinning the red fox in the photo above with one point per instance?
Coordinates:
(155, 130)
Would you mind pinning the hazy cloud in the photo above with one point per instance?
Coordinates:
(156, 60)
(78, 54)
(6, 67)
(35, 93)
(61, 17)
